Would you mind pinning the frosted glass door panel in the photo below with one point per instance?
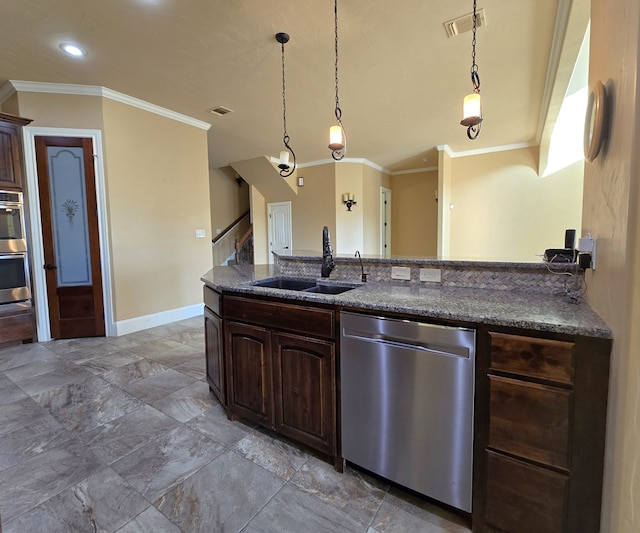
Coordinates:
(69, 215)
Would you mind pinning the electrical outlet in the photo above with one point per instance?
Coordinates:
(201, 234)
(401, 273)
(433, 275)
(588, 244)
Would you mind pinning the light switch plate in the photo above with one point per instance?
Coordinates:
(401, 273)
(201, 234)
(431, 274)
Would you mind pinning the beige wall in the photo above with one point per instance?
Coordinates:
(502, 209)
(158, 195)
(372, 181)
(156, 181)
(61, 110)
(414, 214)
(260, 230)
(349, 235)
(610, 213)
(228, 200)
(314, 207)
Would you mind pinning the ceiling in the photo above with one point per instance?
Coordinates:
(402, 79)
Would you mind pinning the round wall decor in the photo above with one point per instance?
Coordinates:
(595, 121)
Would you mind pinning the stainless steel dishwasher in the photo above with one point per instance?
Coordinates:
(407, 403)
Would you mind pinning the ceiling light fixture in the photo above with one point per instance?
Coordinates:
(73, 49)
(472, 107)
(286, 169)
(337, 135)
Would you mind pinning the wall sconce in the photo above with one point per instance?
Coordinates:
(349, 200)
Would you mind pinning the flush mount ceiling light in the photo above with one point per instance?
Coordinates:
(286, 169)
(337, 135)
(73, 49)
(472, 107)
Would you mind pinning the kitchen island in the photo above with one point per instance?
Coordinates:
(541, 372)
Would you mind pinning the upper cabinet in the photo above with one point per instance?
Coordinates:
(11, 159)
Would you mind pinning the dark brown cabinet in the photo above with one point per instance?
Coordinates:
(540, 433)
(11, 165)
(279, 373)
(213, 345)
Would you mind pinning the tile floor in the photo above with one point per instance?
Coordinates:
(122, 435)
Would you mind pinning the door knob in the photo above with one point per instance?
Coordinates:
(50, 267)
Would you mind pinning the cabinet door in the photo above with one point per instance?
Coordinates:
(214, 355)
(10, 162)
(249, 385)
(304, 390)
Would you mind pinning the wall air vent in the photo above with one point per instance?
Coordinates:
(464, 23)
(220, 110)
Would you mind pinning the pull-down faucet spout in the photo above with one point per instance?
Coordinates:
(328, 263)
(364, 276)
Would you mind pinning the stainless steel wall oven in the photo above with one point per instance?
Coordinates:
(12, 224)
(14, 278)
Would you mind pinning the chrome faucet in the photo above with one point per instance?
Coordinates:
(327, 254)
(364, 276)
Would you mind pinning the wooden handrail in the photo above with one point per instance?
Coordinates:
(245, 236)
(229, 227)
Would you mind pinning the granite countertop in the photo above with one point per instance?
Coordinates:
(481, 306)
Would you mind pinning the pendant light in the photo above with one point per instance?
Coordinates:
(286, 169)
(472, 106)
(337, 135)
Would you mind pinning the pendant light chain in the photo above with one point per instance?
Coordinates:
(338, 150)
(285, 169)
(475, 77)
(338, 111)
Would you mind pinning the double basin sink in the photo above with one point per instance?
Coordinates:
(305, 285)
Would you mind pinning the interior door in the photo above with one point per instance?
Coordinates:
(71, 241)
(279, 227)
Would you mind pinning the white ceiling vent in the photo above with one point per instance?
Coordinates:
(464, 23)
(220, 110)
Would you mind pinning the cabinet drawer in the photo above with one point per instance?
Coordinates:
(296, 318)
(539, 358)
(530, 420)
(523, 497)
(213, 300)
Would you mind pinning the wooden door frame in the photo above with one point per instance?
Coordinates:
(41, 301)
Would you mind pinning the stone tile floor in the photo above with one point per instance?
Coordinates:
(122, 435)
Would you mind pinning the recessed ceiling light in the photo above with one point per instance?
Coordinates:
(73, 50)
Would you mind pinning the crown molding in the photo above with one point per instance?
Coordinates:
(489, 150)
(94, 90)
(413, 171)
(359, 160)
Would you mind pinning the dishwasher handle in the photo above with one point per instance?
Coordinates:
(377, 338)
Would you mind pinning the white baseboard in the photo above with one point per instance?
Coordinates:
(139, 323)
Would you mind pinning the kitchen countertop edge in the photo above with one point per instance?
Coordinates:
(555, 314)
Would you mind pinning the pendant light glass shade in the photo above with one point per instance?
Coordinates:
(336, 140)
(472, 110)
(284, 159)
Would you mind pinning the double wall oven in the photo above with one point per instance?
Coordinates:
(14, 267)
